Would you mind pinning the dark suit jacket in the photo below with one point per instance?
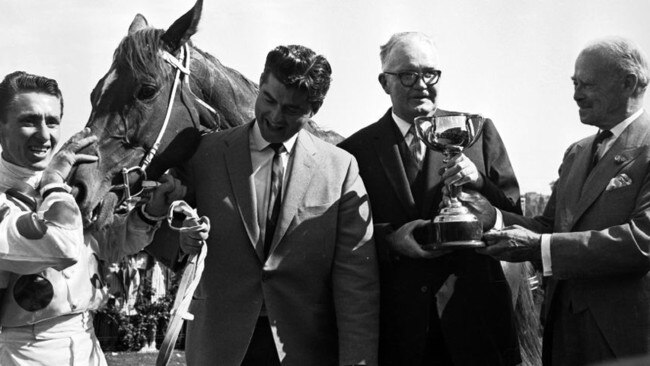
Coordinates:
(320, 281)
(601, 239)
(477, 323)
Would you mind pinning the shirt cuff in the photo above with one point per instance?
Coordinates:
(498, 223)
(54, 187)
(546, 255)
(151, 220)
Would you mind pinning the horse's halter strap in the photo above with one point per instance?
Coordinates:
(182, 67)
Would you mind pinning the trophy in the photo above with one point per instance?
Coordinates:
(455, 226)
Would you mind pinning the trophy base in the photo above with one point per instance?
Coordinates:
(465, 244)
(456, 228)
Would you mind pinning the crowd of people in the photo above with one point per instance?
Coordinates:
(314, 253)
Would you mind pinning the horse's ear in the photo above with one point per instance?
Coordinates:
(183, 28)
(139, 22)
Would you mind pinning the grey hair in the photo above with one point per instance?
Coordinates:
(385, 50)
(624, 56)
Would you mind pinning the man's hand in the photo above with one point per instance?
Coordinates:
(479, 206)
(462, 171)
(191, 241)
(403, 242)
(170, 190)
(59, 168)
(513, 244)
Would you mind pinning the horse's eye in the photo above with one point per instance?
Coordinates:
(146, 92)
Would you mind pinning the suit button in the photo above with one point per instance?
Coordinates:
(424, 288)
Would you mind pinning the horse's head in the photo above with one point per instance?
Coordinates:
(150, 109)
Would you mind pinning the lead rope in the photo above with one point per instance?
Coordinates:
(190, 280)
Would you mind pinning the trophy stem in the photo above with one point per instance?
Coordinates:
(453, 190)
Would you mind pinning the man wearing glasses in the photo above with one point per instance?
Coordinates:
(470, 321)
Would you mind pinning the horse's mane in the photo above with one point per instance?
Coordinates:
(226, 89)
(217, 68)
(139, 53)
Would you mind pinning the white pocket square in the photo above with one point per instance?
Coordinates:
(621, 180)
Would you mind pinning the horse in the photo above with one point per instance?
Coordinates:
(149, 111)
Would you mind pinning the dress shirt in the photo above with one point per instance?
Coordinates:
(262, 160)
(404, 129)
(606, 145)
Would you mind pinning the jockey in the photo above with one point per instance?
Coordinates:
(50, 278)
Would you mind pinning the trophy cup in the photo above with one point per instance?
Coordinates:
(455, 226)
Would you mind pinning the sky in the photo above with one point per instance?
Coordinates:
(509, 60)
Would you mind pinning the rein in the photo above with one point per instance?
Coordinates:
(189, 281)
(182, 66)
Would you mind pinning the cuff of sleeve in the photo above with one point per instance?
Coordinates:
(498, 223)
(546, 255)
(151, 220)
(54, 187)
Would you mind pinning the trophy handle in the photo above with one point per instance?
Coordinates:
(475, 131)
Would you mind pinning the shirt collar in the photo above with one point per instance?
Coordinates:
(12, 174)
(401, 124)
(619, 128)
(259, 143)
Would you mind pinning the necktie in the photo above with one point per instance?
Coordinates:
(415, 147)
(275, 196)
(597, 146)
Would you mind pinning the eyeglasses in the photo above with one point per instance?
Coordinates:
(409, 78)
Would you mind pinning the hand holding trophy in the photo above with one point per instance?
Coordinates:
(450, 134)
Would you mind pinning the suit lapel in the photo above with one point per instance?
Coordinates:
(575, 167)
(239, 166)
(298, 180)
(626, 148)
(385, 145)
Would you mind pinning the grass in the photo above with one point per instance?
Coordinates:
(142, 359)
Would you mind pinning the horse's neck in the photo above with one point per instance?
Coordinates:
(226, 90)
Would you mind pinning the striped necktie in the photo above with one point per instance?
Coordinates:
(275, 196)
(415, 147)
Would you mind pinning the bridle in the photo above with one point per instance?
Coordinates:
(129, 199)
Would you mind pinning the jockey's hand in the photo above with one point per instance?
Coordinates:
(513, 244)
(403, 242)
(59, 168)
(462, 171)
(169, 190)
(192, 240)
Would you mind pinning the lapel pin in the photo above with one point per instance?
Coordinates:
(619, 159)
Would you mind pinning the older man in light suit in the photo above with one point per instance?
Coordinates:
(596, 250)
(291, 275)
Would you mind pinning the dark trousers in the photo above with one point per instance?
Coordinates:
(261, 351)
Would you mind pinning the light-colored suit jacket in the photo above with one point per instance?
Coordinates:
(320, 282)
(600, 246)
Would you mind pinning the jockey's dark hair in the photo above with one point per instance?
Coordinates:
(21, 82)
(299, 67)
